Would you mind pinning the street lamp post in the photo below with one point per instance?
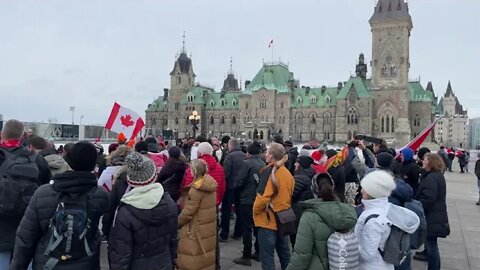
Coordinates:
(194, 120)
(72, 109)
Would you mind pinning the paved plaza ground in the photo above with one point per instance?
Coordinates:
(461, 250)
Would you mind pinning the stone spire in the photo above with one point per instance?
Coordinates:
(449, 90)
(230, 83)
(390, 10)
(429, 87)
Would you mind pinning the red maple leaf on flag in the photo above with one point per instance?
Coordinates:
(126, 120)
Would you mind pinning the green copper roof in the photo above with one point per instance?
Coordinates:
(271, 77)
(230, 100)
(195, 93)
(418, 93)
(360, 85)
(157, 105)
(314, 98)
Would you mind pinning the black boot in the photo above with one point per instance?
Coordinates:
(244, 260)
(256, 256)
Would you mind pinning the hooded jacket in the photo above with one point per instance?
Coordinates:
(198, 226)
(215, 170)
(57, 164)
(144, 235)
(318, 219)
(31, 242)
(374, 234)
(409, 170)
(173, 171)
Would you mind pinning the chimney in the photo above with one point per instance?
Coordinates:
(307, 92)
(165, 94)
(340, 86)
(247, 83)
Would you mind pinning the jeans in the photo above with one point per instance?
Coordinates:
(433, 255)
(5, 257)
(269, 241)
(227, 202)
(449, 165)
(245, 218)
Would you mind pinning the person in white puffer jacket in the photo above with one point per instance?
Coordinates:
(376, 187)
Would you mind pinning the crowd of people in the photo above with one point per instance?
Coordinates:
(161, 206)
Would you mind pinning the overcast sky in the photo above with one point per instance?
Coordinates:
(55, 53)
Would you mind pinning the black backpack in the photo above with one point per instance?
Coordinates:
(68, 229)
(18, 181)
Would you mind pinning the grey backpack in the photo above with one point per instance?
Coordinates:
(397, 247)
(343, 251)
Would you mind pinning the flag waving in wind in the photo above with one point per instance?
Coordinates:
(270, 44)
(123, 120)
(417, 141)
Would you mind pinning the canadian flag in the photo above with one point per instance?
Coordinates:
(125, 121)
(270, 44)
(417, 141)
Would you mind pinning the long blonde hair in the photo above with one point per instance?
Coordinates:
(199, 168)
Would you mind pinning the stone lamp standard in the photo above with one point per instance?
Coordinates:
(194, 120)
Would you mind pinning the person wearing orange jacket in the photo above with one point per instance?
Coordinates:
(273, 197)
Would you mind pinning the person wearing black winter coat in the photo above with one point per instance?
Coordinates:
(144, 235)
(302, 190)
(32, 237)
(432, 194)
(409, 170)
(171, 175)
(246, 183)
(231, 167)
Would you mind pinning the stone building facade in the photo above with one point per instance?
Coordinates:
(274, 102)
(452, 125)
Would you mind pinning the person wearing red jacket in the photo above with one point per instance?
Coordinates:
(205, 152)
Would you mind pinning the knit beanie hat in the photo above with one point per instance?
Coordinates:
(407, 154)
(141, 170)
(288, 143)
(174, 152)
(205, 148)
(82, 156)
(378, 184)
(254, 148)
(121, 139)
(317, 156)
(305, 161)
(384, 160)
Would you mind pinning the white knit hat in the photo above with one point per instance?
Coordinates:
(378, 184)
(205, 148)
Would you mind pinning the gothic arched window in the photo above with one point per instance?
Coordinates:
(223, 102)
(212, 120)
(312, 119)
(263, 102)
(352, 117)
(234, 119)
(222, 119)
(383, 124)
(388, 124)
(176, 120)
